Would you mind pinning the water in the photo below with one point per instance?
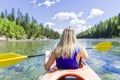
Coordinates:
(105, 63)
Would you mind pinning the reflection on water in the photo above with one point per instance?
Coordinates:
(106, 64)
(24, 47)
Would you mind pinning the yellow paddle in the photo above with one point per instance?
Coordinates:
(102, 46)
(7, 59)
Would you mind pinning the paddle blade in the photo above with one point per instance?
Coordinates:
(103, 46)
(8, 59)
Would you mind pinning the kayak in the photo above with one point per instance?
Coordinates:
(82, 73)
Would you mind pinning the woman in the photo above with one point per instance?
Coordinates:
(67, 52)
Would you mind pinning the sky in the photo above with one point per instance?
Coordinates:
(59, 14)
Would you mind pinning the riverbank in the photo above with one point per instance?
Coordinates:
(3, 38)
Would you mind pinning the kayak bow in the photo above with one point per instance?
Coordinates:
(84, 73)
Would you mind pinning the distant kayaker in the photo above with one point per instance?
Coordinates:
(67, 52)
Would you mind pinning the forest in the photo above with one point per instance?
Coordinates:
(108, 29)
(23, 26)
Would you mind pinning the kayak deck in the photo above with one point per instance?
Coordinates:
(84, 73)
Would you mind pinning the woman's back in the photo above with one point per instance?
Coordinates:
(66, 51)
(68, 62)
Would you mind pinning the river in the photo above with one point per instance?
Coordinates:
(105, 63)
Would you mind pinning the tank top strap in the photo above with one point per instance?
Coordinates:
(76, 50)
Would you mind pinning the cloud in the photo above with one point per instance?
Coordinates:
(47, 3)
(95, 12)
(49, 24)
(66, 15)
(72, 17)
(77, 29)
(81, 28)
(33, 2)
(77, 21)
(59, 30)
(57, 0)
(80, 14)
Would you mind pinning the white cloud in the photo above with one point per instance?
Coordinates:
(33, 2)
(49, 24)
(59, 30)
(72, 17)
(64, 15)
(57, 0)
(81, 28)
(67, 15)
(47, 3)
(77, 21)
(77, 29)
(95, 12)
(89, 26)
(80, 14)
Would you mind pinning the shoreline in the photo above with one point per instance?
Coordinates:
(2, 39)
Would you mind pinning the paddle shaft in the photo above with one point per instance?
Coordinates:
(12, 58)
(89, 48)
(30, 56)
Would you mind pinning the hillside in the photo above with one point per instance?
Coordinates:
(108, 29)
(23, 27)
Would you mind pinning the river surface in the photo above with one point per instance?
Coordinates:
(105, 63)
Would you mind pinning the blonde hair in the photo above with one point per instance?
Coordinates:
(67, 43)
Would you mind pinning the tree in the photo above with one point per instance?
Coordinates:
(6, 14)
(21, 27)
(107, 29)
(119, 19)
(2, 15)
(13, 14)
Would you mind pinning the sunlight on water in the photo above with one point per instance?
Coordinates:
(106, 64)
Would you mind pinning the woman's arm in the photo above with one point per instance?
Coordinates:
(49, 60)
(84, 53)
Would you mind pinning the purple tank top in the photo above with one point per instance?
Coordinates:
(68, 63)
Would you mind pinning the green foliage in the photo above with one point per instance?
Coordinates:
(118, 27)
(108, 29)
(2, 15)
(10, 29)
(20, 27)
